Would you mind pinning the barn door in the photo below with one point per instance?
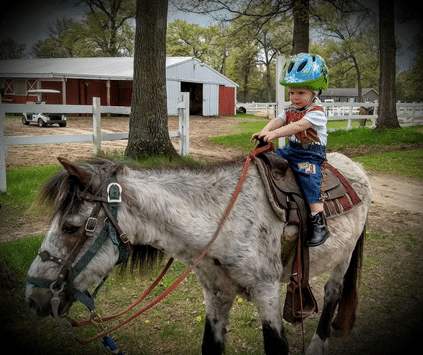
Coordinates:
(210, 100)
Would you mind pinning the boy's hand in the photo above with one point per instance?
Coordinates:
(255, 136)
(265, 135)
(269, 136)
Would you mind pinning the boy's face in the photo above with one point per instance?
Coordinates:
(300, 97)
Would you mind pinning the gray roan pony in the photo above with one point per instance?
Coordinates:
(177, 211)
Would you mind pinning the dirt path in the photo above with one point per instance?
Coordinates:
(201, 129)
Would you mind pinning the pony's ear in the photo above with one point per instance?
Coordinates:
(82, 175)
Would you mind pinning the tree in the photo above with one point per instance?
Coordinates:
(301, 14)
(185, 39)
(343, 73)
(61, 41)
(409, 86)
(387, 112)
(301, 10)
(355, 45)
(242, 67)
(10, 49)
(107, 28)
(260, 43)
(148, 123)
(105, 32)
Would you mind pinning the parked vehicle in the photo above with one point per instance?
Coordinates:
(35, 115)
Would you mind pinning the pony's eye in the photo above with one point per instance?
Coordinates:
(70, 228)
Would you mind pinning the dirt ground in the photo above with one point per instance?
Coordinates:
(397, 204)
(201, 128)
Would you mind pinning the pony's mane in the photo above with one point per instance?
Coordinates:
(63, 191)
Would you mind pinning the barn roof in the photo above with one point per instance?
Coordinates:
(113, 68)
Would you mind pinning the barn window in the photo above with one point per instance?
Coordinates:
(9, 86)
(20, 87)
(31, 84)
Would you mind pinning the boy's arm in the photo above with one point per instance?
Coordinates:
(284, 131)
(274, 124)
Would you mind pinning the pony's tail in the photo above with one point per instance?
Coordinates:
(345, 319)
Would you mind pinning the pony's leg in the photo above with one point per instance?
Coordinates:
(341, 289)
(320, 341)
(266, 298)
(219, 294)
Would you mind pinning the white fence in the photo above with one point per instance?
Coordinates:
(96, 137)
(259, 108)
(409, 114)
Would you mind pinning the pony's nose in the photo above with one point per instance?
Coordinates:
(39, 302)
(32, 304)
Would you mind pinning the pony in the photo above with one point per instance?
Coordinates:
(177, 211)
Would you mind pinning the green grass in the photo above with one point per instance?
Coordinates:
(337, 140)
(19, 253)
(23, 185)
(355, 138)
(405, 163)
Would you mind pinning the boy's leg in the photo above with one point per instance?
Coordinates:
(309, 176)
(307, 169)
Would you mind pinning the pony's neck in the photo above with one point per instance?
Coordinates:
(175, 210)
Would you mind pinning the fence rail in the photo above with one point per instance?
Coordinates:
(96, 137)
(409, 114)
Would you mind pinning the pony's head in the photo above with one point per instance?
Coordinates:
(78, 250)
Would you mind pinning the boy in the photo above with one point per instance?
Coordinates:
(304, 122)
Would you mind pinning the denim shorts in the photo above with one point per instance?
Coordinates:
(306, 162)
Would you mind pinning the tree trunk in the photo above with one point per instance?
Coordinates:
(387, 113)
(148, 123)
(300, 40)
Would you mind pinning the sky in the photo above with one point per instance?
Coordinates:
(27, 22)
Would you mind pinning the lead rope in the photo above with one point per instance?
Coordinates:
(251, 157)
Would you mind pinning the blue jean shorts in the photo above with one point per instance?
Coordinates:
(306, 163)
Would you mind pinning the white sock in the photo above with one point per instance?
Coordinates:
(313, 213)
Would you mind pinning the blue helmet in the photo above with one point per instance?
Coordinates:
(305, 70)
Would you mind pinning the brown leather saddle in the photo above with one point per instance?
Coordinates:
(286, 198)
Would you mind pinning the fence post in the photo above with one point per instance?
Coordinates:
(183, 111)
(3, 184)
(96, 126)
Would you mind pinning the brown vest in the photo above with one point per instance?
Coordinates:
(309, 135)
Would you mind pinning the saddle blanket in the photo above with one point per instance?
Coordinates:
(341, 204)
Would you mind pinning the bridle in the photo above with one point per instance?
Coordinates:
(109, 201)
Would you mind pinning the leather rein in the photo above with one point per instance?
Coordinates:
(67, 273)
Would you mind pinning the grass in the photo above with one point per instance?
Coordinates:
(405, 163)
(338, 139)
(23, 186)
(19, 253)
(359, 138)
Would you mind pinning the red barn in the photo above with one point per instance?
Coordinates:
(81, 79)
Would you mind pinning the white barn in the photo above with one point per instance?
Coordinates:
(80, 79)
